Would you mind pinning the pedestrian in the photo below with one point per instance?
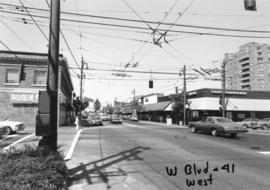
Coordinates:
(77, 122)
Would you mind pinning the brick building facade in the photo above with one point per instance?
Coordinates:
(19, 100)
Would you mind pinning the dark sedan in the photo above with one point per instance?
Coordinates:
(217, 126)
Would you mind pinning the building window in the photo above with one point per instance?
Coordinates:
(146, 100)
(259, 58)
(259, 53)
(12, 76)
(39, 77)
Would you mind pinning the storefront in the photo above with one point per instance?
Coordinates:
(239, 104)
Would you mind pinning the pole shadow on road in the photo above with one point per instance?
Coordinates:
(98, 167)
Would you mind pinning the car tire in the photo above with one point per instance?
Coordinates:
(193, 129)
(264, 127)
(9, 131)
(214, 132)
(233, 135)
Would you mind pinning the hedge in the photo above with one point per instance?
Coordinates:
(29, 168)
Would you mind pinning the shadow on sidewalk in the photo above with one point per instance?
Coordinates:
(98, 168)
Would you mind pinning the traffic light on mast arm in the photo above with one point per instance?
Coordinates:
(22, 73)
(250, 5)
(151, 84)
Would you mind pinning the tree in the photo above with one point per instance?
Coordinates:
(86, 101)
(97, 105)
(135, 105)
(108, 109)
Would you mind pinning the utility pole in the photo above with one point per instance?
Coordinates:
(50, 142)
(81, 90)
(134, 95)
(223, 87)
(184, 96)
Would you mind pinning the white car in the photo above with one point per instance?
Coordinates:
(12, 126)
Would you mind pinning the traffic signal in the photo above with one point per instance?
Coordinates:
(151, 84)
(250, 5)
(22, 73)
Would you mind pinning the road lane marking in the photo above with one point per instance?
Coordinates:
(73, 145)
(18, 141)
(264, 152)
(131, 125)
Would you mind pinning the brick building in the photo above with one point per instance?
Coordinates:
(19, 100)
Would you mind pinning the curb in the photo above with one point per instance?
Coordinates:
(73, 145)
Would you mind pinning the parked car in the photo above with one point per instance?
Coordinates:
(12, 126)
(264, 123)
(115, 119)
(94, 121)
(250, 123)
(3, 130)
(105, 117)
(134, 118)
(217, 126)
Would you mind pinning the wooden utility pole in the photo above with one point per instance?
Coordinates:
(50, 141)
(81, 90)
(223, 87)
(184, 96)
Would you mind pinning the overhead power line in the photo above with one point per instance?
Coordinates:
(149, 22)
(144, 28)
(136, 71)
(34, 21)
(12, 31)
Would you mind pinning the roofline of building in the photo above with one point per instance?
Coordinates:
(26, 53)
(264, 91)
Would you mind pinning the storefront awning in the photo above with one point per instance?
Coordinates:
(234, 104)
(160, 106)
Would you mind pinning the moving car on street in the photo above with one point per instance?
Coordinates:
(217, 126)
(264, 123)
(94, 121)
(115, 119)
(134, 118)
(250, 123)
(12, 126)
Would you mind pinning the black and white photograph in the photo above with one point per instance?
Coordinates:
(134, 95)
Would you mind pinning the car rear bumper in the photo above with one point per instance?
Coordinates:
(20, 128)
(235, 131)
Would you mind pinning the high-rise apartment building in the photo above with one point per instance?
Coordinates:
(249, 68)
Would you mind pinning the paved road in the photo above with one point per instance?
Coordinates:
(140, 156)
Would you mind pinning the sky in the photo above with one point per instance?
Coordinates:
(103, 46)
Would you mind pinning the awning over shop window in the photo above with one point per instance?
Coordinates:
(160, 106)
(234, 104)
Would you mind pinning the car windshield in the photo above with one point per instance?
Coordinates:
(255, 119)
(222, 120)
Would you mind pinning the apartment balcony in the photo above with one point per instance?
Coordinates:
(244, 59)
(245, 75)
(245, 70)
(246, 81)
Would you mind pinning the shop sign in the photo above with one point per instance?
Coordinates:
(229, 92)
(241, 115)
(24, 98)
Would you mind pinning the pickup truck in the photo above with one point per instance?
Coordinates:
(217, 126)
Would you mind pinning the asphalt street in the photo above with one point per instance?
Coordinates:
(146, 156)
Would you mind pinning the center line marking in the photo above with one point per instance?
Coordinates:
(264, 152)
